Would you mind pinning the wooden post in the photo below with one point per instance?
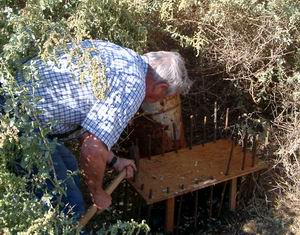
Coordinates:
(233, 189)
(170, 209)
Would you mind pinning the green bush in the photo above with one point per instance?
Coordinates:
(39, 28)
(254, 44)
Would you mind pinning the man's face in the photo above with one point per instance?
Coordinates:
(158, 92)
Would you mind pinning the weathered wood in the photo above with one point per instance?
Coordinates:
(170, 208)
(197, 168)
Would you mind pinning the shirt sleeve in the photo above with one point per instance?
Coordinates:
(109, 117)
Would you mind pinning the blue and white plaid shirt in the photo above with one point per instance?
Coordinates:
(71, 101)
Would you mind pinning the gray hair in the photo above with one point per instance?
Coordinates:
(169, 67)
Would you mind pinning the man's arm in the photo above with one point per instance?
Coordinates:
(93, 158)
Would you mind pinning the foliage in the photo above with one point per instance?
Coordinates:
(253, 44)
(129, 228)
(40, 28)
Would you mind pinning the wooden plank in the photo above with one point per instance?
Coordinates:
(233, 190)
(196, 168)
(170, 209)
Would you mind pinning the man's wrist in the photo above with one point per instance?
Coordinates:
(113, 161)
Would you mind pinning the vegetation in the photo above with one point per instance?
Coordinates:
(252, 45)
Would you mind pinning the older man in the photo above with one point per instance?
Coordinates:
(69, 96)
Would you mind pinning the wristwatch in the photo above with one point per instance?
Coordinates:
(113, 161)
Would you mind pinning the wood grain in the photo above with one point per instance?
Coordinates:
(196, 168)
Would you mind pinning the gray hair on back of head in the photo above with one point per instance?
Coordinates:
(169, 67)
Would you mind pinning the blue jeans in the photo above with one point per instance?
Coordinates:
(64, 164)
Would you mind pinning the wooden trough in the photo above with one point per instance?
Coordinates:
(162, 178)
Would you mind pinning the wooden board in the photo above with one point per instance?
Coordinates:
(200, 167)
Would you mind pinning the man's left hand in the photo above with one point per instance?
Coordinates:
(125, 163)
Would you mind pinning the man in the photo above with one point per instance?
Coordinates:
(68, 95)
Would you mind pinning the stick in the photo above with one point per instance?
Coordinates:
(215, 121)
(162, 141)
(204, 129)
(230, 157)
(175, 136)
(244, 149)
(255, 137)
(93, 209)
(226, 118)
(226, 129)
(191, 131)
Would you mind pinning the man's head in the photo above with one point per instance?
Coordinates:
(166, 75)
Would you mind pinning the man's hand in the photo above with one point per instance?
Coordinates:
(125, 163)
(101, 199)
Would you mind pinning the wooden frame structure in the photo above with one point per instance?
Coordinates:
(162, 178)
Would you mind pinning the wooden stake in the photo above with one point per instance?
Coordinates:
(244, 150)
(229, 159)
(226, 118)
(204, 129)
(162, 141)
(255, 138)
(191, 131)
(170, 209)
(215, 121)
(175, 137)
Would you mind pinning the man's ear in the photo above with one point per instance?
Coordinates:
(162, 87)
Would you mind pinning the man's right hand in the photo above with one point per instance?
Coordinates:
(101, 199)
